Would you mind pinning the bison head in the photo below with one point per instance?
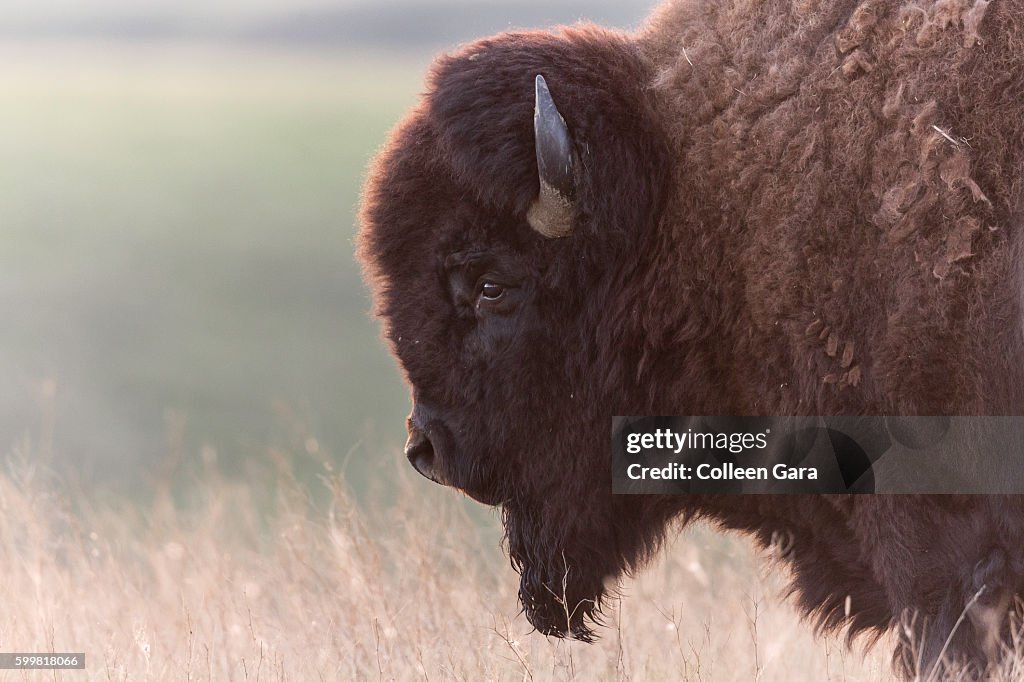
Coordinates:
(508, 232)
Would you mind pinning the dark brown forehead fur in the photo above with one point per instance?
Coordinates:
(471, 138)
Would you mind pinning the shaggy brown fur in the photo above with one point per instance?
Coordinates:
(783, 208)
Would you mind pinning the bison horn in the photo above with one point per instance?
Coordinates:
(552, 212)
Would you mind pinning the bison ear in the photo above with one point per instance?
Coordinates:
(552, 211)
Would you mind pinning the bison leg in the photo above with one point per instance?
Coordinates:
(935, 645)
(970, 628)
(945, 571)
(995, 585)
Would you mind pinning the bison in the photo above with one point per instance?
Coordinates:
(778, 207)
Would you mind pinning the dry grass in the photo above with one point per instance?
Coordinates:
(245, 587)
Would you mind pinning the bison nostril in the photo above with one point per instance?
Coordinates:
(420, 452)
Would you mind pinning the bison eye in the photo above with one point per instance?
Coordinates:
(490, 291)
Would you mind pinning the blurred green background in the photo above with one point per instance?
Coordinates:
(178, 184)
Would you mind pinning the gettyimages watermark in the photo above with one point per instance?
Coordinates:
(816, 455)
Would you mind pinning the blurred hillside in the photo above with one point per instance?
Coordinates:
(178, 271)
(405, 25)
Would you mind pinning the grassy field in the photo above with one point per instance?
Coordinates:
(248, 582)
(411, 590)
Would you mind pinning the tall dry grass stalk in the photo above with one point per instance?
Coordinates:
(266, 587)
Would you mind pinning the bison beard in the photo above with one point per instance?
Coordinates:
(561, 578)
(750, 208)
(569, 555)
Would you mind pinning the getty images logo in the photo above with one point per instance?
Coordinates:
(834, 454)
